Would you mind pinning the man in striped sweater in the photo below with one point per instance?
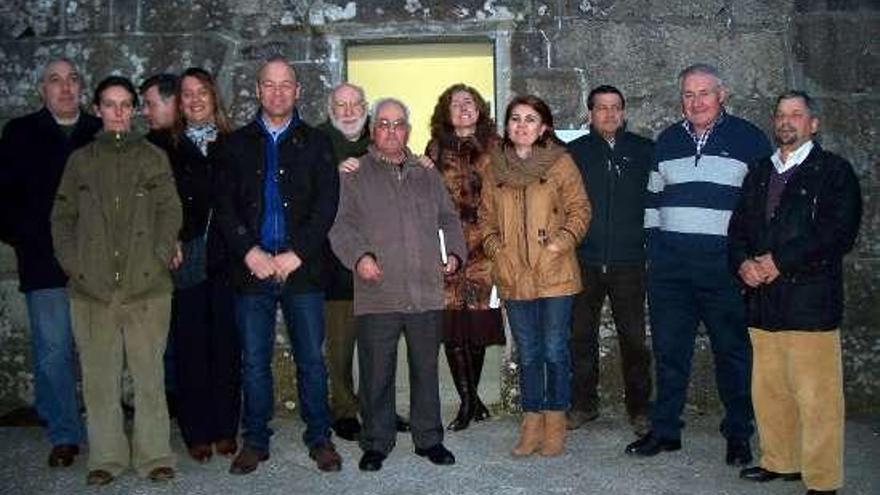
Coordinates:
(699, 166)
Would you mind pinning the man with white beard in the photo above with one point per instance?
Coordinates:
(347, 116)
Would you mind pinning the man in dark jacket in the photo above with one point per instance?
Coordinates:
(35, 150)
(614, 165)
(798, 216)
(276, 194)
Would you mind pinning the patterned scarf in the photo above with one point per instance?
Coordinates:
(202, 135)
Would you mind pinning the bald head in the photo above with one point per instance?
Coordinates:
(277, 89)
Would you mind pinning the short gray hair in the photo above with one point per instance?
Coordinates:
(360, 92)
(65, 60)
(381, 102)
(277, 58)
(701, 68)
(811, 104)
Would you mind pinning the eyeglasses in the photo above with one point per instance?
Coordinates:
(388, 125)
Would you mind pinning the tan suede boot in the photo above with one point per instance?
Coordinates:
(531, 433)
(554, 433)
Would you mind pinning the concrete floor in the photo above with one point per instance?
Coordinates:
(594, 463)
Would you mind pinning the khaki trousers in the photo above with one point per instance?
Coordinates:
(109, 335)
(797, 391)
(341, 336)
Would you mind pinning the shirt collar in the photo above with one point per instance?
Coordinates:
(700, 140)
(794, 158)
(276, 131)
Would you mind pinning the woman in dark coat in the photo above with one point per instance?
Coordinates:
(462, 131)
(207, 354)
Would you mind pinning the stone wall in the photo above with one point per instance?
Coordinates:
(556, 49)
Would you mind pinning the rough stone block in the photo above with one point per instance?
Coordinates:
(21, 19)
(16, 377)
(88, 17)
(562, 90)
(860, 334)
(838, 54)
(835, 5)
(185, 15)
(644, 59)
(848, 127)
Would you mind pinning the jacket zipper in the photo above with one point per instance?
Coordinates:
(608, 195)
(526, 226)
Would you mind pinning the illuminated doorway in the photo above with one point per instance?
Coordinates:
(418, 73)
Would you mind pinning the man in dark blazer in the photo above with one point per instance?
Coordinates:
(35, 149)
(276, 190)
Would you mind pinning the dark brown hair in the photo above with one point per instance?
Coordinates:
(441, 125)
(542, 109)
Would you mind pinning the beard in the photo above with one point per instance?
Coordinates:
(786, 136)
(351, 130)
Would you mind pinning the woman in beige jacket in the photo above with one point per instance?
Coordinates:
(534, 212)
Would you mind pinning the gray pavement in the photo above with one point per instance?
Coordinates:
(594, 463)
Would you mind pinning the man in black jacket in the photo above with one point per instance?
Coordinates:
(798, 216)
(276, 196)
(35, 150)
(614, 165)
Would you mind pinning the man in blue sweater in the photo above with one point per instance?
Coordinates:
(699, 167)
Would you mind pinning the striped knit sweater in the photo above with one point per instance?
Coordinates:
(691, 194)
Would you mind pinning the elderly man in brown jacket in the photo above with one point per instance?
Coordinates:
(387, 231)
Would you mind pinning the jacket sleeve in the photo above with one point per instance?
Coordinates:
(449, 220)
(575, 205)
(65, 215)
(738, 244)
(837, 212)
(308, 238)
(348, 242)
(487, 216)
(228, 219)
(169, 215)
(10, 177)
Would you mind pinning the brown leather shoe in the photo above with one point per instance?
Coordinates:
(63, 455)
(226, 447)
(201, 452)
(247, 460)
(161, 473)
(326, 457)
(98, 477)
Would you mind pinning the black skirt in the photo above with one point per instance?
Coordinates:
(473, 327)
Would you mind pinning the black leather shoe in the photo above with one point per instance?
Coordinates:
(63, 455)
(371, 461)
(821, 492)
(649, 445)
(401, 424)
(739, 453)
(757, 473)
(347, 429)
(438, 454)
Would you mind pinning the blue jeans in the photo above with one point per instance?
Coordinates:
(541, 329)
(54, 364)
(304, 316)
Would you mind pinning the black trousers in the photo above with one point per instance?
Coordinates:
(625, 286)
(207, 362)
(377, 340)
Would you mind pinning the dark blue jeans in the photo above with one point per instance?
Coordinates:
(304, 316)
(682, 292)
(541, 330)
